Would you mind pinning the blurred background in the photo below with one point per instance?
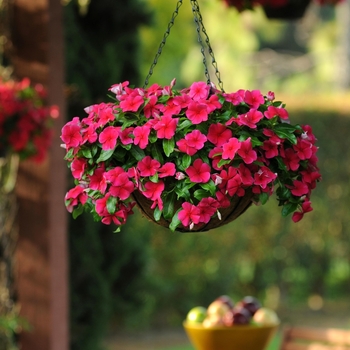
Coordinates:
(143, 280)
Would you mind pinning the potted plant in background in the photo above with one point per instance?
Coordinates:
(279, 9)
(25, 133)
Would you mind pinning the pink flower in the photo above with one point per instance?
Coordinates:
(246, 175)
(185, 148)
(125, 136)
(122, 187)
(270, 148)
(97, 180)
(230, 148)
(251, 118)
(166, 127)
(148, 166)
(222, 199)
(153, 190)
(71, 135)
(291, 160)
(108, 137)
(112, 175)
(218, 134)
(195, 139)
(197, 112)
(171, 108)
(107, 218)
(189, 214)
(152, 108)
(131, 103)
(246, 151)
(179, 175)
(78, 167)
(90, 134)
(213, 103)
(273, 111)
(199, 91)
(199, 172)
(75, 196)
(236, 97)
(263, 177)
(168, 169)
(254, 98)
(304, 149)
(207, 208)
(182, 101)
(299, 188)
(141, 134)
(305, 208)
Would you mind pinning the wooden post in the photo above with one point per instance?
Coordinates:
(42, 283)
(57, 186)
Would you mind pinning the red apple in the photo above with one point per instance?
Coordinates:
(226, 300)
(251, 304)
(237, 316)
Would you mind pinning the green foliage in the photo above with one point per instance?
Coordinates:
(106, 269)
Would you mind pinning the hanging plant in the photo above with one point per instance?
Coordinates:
(279, 9)
(191, 159)
(25, 121)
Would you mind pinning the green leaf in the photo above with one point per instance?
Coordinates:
(154, 178)
(157, 154)
(286, 135)
(289, 208)
(223, 162)
(200, 194)
(186, 161)
(175, 221)
(168, 146)
(87, 153)
(183, 125)
(69, 154)
(157, 214)
(210, 187)
(111, 205)
(281, 164)
(137, 153)
(152, 137)
(104, 155)
(77, 211)
(263, 198)
(119, 154)
(168, 209)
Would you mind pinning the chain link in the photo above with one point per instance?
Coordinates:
(165, 36)
(200, 28)
(199, 24)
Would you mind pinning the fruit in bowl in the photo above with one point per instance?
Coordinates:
(233, 326)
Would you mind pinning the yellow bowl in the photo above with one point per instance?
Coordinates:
(244, 337)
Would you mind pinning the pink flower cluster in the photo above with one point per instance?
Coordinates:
(242, 5)
(189, 152)
(25, 122)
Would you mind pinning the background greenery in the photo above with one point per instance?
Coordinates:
(148, 277)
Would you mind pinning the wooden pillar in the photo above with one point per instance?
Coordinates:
(57, 186)
(37, 53)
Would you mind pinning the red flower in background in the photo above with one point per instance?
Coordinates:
(25, 121)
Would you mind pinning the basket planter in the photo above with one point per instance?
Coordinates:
(191, 159)
(237, 207)
(292, 10)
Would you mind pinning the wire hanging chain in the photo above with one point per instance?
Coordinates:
(199, 25)
(160, 48)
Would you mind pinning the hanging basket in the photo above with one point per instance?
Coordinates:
(292, 10)
(192, 159)
(237, 207)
